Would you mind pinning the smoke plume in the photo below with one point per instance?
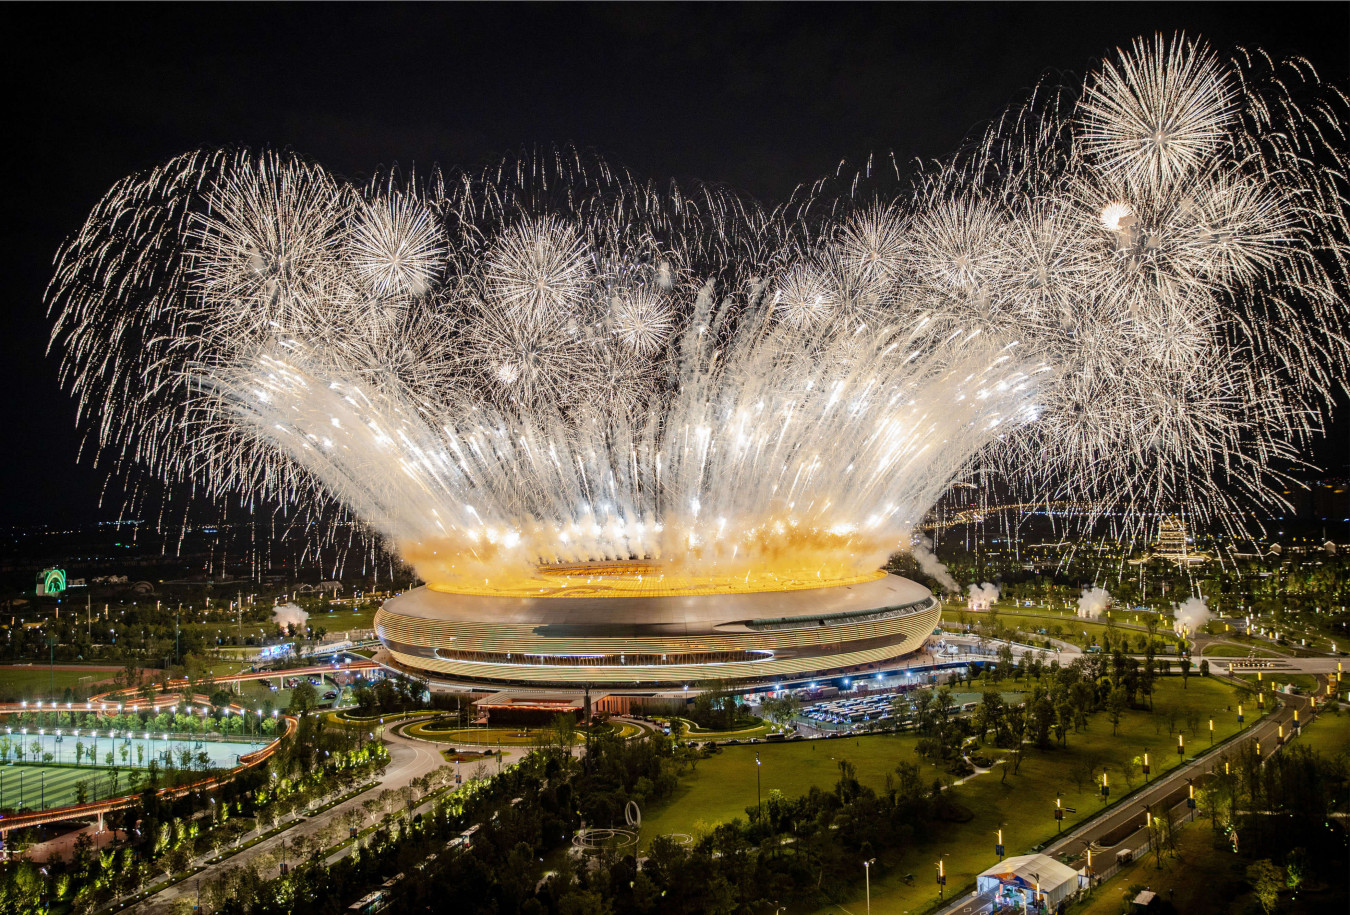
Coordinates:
(982, 596)
(1093, 603)
(932, 566)
(1191, 615)
(289, 615)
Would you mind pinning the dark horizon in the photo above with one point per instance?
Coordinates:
(759, 98)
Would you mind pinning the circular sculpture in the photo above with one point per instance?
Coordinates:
(660, 640)
(593, 841)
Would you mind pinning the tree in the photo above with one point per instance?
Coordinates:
(1129, 767)
(1115, 707)
(303, 698)
(1297, 867)
(989, 714)
(781, 710)
(1267, 879)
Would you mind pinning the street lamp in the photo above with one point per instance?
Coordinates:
(867, 872)
(759, 803)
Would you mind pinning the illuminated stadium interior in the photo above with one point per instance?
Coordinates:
(632, 626)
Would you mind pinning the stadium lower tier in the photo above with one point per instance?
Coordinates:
(658, 642)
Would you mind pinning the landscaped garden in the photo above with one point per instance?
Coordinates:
(1021, 802)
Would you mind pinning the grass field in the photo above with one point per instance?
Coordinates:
(691, 731)
(1199, 881)
(343, 620)
(722, 786)
(483, 737)
(18, 683)
(36, 787)
(1328, 733)
(1072, 627)
(1305, 682)
(1023, 805)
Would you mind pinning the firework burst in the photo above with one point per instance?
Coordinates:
(1128, 293)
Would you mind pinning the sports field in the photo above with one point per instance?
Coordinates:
(38, 787)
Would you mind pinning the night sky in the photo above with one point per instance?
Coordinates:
(758, 97)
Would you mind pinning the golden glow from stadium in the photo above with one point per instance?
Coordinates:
(629, 579)
(780, 557)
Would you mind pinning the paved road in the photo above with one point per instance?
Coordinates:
(409, 760)
(1076, 842)
(1266, 730)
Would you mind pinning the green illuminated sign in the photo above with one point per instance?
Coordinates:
(51, 582)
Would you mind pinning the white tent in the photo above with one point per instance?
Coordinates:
(1028, 879)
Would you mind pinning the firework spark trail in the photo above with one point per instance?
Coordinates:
(1128, 293)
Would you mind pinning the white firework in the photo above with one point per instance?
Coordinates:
(802, 299)
(539, 271)
(1131, 301)
(1157, 113)
(527, 363)
(270, 236)
(396, 245)
(642, 319)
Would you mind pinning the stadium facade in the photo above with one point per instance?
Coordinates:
(659, 641)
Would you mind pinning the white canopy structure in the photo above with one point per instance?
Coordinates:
(1030, 879)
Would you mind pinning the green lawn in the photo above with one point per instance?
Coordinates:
(36, 787)
(507, 737)
(1023, 805)
(1328, 733)
(1200, 881)
(18, 683)
(1072, 627)
(1305, 682)
(722, 786)
(343, 620)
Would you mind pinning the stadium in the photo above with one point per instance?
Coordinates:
(621, 630)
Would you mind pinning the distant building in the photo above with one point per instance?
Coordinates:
(1172, 540)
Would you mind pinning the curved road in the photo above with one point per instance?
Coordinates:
(408, 760)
